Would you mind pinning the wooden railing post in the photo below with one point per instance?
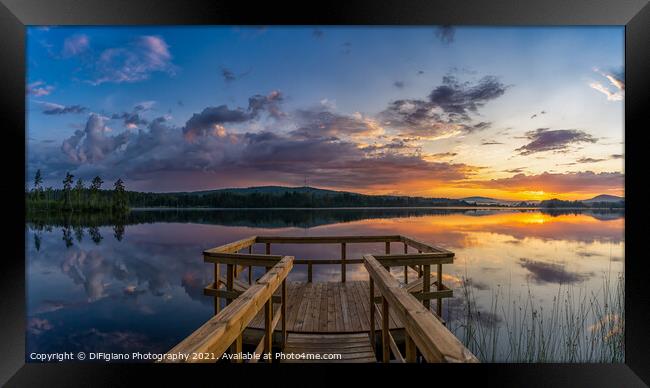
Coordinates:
(343, 256)
(268, 332)
(411, 349)
(425, 334)
(250, 267)
(217, 275)
(283, 311)
(230, 279)
(385, 341)
(268, 248)
(309, 272)
(439, 288)
(426, 284)
(236, 348)
(372, 313)
(406, 267)
(388, 247)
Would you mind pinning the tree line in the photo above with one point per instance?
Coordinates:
(286, 199)
(75, 196)
(559, 204)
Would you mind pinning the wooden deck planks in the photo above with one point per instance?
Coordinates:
(352, 347)
(327, 307)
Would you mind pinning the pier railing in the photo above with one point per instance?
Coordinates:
(224, 330)
(424, 332)
(236, 262)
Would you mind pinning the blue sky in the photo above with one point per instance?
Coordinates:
(118, 101)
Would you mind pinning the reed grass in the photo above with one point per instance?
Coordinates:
(580, 327)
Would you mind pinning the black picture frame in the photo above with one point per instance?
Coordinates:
(16, 14)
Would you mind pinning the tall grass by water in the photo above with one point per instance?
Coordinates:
(580, 327)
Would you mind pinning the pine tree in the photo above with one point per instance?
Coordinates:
(120, 202)
(95, 185)
(67, 187)
(79, 188)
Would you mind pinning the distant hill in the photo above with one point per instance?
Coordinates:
(272, 190)
(599, 201)
(604, 198)
(482, 200)
(282, 197)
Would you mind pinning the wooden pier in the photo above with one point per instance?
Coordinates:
(382, 319)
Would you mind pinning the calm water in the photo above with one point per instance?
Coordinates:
(136, 284)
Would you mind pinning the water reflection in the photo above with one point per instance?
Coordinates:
(136, 283)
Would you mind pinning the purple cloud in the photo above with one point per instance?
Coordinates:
(57, 109)
(39, 89)
(446, 111)
(559, 140)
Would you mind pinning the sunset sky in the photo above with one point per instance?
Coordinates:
(507, 112)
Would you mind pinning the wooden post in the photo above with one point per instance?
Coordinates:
(268, 333)
(411, 350)
(229, 280)
(268, 248)
(406, 267)
(419, 267)
(309, 273)
(283, 311)
(388, 247)
(236, 348)
(217, 300)
(372, 313)
(439, 288)
(426, 284)
(385, 341)
(250, 267)
(343, 256)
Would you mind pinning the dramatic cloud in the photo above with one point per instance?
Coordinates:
(39, 89)
(559, 140)
(587, 181)
(130, 120)
(333, 162)
(446, 111)
(323, 146)
(57, 109)
(318, 123)
(446, 34)
(615, 91)
(542, 272)
(75, 44)
(136, 62)
(210, 121)
(92, 144)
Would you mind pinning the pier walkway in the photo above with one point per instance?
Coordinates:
(381, 319)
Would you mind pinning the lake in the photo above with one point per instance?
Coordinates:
(136, 284)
